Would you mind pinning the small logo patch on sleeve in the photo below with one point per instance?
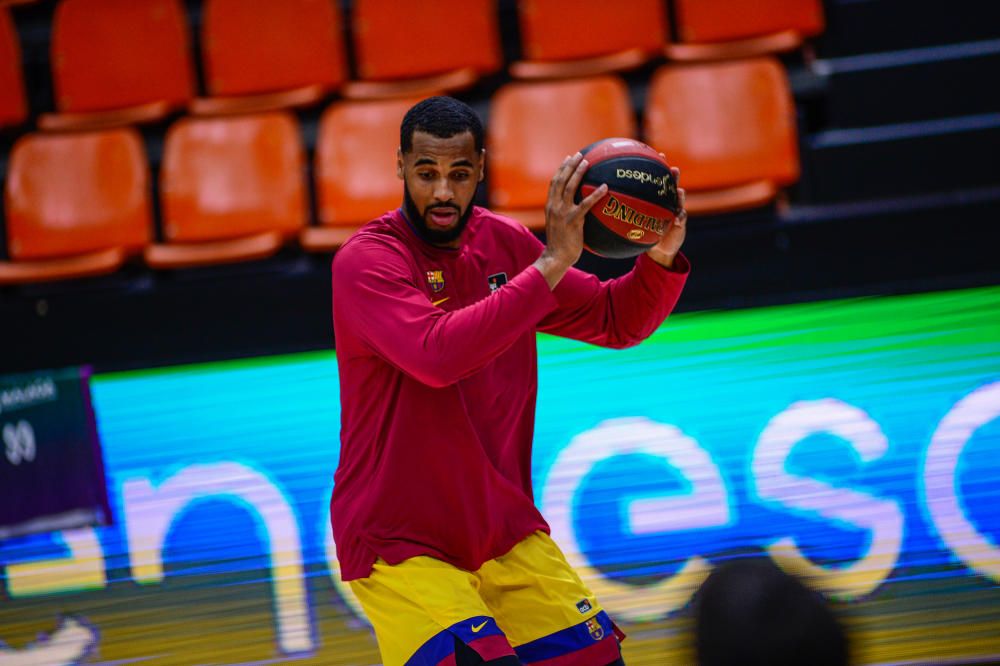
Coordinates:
(584, 606)
(496, 281)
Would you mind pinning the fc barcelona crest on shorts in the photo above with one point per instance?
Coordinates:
(595, 629)
(496, 281)
(436, 280)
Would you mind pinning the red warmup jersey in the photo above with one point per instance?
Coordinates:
(438, 379)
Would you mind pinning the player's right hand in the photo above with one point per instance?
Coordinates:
(564, 217)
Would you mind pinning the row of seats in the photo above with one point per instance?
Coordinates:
(126, 61)
(233, 187)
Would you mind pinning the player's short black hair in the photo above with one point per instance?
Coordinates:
(442, 117)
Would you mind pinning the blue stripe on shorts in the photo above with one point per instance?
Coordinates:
(566, 641)
(443, 644)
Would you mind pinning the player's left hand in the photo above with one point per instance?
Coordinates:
(670, 243)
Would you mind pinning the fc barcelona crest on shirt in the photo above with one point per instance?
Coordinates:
(595, 629)
(436, 280)
(496, 281)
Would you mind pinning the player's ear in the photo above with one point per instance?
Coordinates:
(399, 163)
(482, 165)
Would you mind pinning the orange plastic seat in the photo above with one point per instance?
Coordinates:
(729, 126)
(268, 54)
(77, 204)
(562, 38)
(411, 49)
(355, 168)
(532, 129)
(13, 106)
(231, 189)
(118, 62)
(720, 29)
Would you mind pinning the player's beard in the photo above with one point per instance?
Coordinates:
(427, 232)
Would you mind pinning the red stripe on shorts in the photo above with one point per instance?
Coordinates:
(599, 654)
(448, 661)
(492, 647)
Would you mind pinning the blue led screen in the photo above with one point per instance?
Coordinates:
(855, 442)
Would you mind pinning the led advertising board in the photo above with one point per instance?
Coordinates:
(855, 442)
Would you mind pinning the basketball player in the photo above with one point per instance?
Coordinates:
(435, 310)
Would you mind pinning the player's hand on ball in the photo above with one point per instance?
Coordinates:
(670, 244)
(564, 217)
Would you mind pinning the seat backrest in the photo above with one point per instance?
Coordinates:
(68, 194)
(533, 126)
(570, 29)
(111, 54)
(255, 46)
(700, 21)
(398, 40)
(724, 123)
(13, 106)
(226, 177)
(356, 160)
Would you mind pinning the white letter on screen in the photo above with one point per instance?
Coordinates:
(149, 513)
(941, 496)
(705, 506)
(882, 517)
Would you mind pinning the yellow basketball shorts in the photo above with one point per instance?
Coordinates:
(528, 602)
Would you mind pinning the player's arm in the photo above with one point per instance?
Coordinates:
(378, 305)
(624, 311)
(374, 291)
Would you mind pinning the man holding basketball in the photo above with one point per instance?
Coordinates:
(435, 309)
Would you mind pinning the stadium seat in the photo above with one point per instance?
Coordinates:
(13, 106)
(410, 49)
(231, 189)
(534, 125)
(252, 64)
(355, 168)
(118, 62)
(721, 29)
(76, 204)
(562, 38)
(729, 126)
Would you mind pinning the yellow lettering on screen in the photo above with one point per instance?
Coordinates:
(82, 570)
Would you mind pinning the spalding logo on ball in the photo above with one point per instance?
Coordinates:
(641, 201)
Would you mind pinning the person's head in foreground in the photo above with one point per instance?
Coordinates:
(440, 161)
(749, 612)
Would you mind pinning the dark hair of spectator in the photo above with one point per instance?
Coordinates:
(750, 612)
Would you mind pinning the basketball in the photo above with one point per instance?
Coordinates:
(641, 201)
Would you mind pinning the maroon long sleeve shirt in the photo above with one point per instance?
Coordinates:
(438, 375)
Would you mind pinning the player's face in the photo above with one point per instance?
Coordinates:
(439, 181)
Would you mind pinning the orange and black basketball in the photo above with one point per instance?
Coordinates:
(641, 201)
